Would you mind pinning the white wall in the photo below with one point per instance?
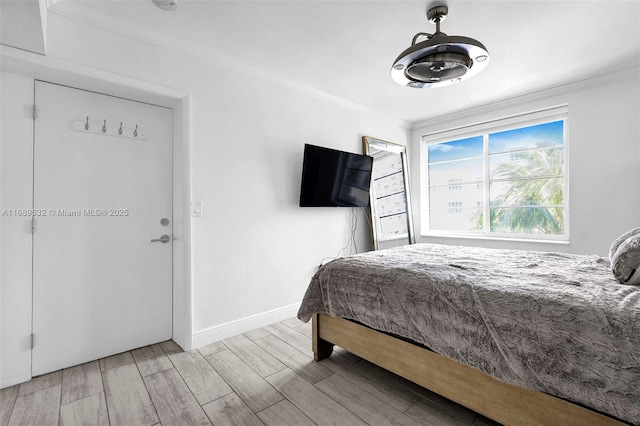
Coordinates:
(604, 159)
(16, 174)
(253, 250)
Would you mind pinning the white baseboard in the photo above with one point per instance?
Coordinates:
(233, 328)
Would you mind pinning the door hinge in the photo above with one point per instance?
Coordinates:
(32, 340)
(33, 225)
(34, 111)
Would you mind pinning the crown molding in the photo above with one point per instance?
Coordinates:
(573, 86)
(79, 12)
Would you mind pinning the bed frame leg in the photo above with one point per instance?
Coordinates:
(321, 348)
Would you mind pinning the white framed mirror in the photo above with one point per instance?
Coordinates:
(390, 199)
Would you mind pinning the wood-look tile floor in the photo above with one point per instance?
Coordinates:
(264, 377)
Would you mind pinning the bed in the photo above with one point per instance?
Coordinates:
(521, 337)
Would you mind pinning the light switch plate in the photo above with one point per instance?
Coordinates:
(196, 208)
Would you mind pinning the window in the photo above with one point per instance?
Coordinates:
(502, 179)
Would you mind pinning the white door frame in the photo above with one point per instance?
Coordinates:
(59, 72)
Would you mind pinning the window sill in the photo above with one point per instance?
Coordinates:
(496, 238)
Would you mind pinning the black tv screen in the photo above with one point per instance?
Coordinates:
(332, 178)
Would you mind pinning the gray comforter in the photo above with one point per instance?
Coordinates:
(553, 322)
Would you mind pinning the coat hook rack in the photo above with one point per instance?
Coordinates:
(118, 131)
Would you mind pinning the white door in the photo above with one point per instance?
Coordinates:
(100, 285)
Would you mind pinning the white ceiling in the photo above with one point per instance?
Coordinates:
(344, 49)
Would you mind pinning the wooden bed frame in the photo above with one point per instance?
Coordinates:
(504, 403)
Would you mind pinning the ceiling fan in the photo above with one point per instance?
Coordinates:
(440, 60)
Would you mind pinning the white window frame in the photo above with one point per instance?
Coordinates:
(533, 118)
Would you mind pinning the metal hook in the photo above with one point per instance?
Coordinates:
(120, 129)
(86, 125)
(135, 132)
(104, 127)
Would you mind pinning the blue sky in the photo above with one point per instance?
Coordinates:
(455, 150)
(526, 137)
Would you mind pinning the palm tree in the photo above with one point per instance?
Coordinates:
(535, 186)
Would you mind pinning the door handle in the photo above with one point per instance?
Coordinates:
(164, 239)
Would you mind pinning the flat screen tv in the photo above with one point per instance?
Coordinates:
(332, 178)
